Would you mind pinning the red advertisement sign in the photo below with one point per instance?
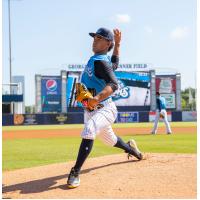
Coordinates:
(165, 85)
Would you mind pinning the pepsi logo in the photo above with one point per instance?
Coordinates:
(51, 85)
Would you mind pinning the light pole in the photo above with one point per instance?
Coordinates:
(10, 51)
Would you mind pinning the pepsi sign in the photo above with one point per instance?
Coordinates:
(51, 85)
(51, 93)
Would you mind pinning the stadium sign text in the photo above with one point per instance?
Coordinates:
(121, 67)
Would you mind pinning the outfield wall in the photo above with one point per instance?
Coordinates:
(78, 118)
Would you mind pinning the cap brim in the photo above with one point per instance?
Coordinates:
(92, 34)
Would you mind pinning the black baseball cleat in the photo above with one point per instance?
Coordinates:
(73, 179)
(135, 151)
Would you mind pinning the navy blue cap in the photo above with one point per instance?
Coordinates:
(105, 33)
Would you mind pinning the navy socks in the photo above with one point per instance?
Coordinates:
(86, 147)
(84, 150)
(122, 145)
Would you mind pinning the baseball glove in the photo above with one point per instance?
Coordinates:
(161, 116)
(82, 95)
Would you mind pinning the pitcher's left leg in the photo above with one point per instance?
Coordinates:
(108, 137)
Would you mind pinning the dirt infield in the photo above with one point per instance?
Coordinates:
(159, 176)
(75, 132)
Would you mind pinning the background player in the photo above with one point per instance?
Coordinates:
(99, 78)
(161, 113)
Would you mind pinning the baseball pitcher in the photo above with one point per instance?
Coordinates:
(98, 82)
(161, 113)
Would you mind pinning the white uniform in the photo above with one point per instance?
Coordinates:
(157, 117)
(99, 123)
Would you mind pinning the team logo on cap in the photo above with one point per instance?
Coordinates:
(51, 85)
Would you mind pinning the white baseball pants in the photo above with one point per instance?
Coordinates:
(157, 117)
(99, 123)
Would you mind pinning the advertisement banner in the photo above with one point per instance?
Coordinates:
(25, 119)
(126, 117)
(72, 79)
(188, 116)
(166, 85)
(133, 89)
(30, 119)
(170, 100)
(51, 93)
(18, 119)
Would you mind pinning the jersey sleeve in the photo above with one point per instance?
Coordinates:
(115, 61)
(104, 71)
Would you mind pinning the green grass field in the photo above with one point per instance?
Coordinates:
(69, 126)
(23, 153)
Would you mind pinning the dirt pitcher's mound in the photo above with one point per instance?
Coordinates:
(113, 176)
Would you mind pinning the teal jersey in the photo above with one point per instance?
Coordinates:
(93, 83)
(161, 103)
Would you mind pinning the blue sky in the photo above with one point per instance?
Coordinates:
(49, 33)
